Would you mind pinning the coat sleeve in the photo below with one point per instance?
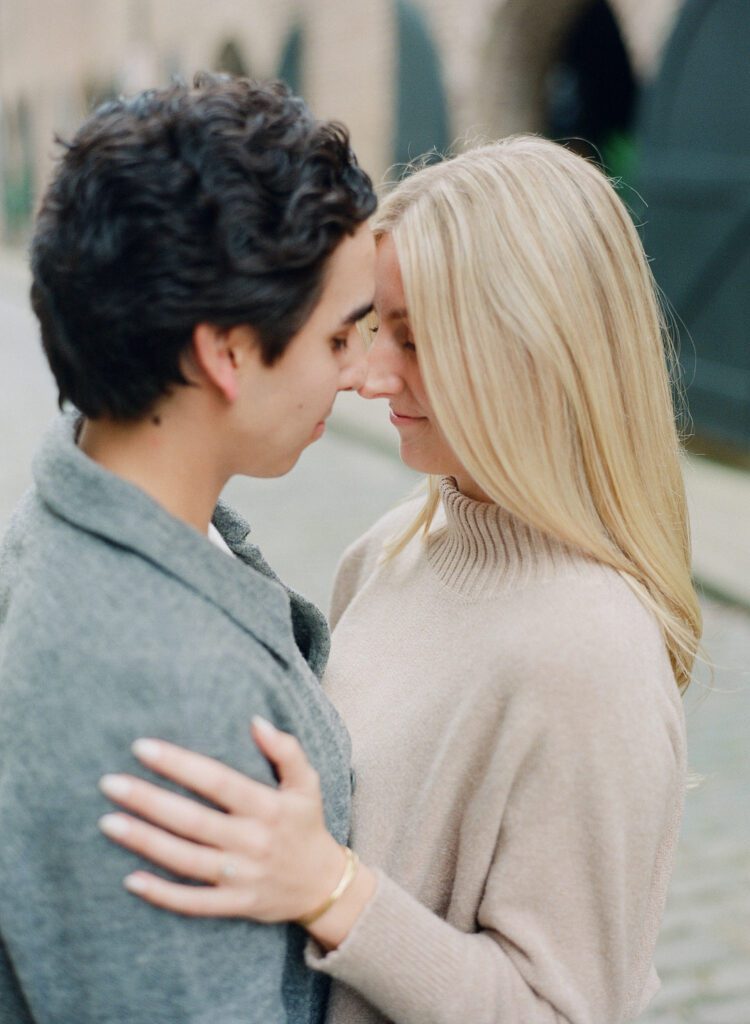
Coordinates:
(592, 751)
(83, 949)
(13, 1008)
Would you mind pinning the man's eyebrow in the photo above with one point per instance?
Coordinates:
(357, 314)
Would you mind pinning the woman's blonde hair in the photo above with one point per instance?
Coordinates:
(544, 354)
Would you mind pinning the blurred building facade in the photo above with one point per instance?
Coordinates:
(405, 75)
(653, 89)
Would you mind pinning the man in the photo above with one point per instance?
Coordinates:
(200, 262)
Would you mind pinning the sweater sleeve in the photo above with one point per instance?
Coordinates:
(347, 580)
(361, 558)
(593, 770)
(355, 565)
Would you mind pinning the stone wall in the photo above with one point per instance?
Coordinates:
(58, 59)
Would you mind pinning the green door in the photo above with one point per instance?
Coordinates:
(421, 121)
(694, 178)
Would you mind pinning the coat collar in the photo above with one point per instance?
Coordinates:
(78, 490)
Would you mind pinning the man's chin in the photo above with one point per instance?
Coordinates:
(279, 469)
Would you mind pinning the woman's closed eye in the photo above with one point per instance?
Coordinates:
(404, 338)
(400, 332)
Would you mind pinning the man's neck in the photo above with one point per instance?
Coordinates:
(173, 465)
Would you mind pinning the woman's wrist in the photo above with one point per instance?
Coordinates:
(331, 927)
(351, 863)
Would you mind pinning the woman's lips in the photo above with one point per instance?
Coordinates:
(401, 420)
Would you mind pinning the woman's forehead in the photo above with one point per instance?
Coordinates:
(390, 301)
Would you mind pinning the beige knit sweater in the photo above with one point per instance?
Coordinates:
(519, 749)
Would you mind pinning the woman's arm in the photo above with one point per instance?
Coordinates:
(262, 853)
(267, 856)
(592, 748)
(567, 919)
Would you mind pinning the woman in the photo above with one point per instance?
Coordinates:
(508, 655)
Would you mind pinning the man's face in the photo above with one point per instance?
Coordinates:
(281, 409)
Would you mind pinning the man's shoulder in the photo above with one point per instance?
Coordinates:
(96, 610)
(99, 646)
(57, 570)
(30, 532)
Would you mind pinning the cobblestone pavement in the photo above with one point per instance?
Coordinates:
(304, 521)
(703, 956)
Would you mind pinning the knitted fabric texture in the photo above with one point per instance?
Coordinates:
(519, 746)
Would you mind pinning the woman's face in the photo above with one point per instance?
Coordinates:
(393, 373)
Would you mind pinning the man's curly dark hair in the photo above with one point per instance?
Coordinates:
(219, 204)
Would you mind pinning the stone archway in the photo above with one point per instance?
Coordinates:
(523, 40)
(591, 91)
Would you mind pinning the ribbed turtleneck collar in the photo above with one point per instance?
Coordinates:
(483, 549)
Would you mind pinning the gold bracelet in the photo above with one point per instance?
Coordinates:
(352, 863)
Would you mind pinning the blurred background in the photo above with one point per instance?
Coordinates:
(658, 92)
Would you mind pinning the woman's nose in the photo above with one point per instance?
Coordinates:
(382, 379)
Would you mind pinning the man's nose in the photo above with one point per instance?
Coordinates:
(382, 379)
(354, 372)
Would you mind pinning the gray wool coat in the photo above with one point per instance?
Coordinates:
(119, 621)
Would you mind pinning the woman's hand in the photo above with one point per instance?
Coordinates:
(266, 855)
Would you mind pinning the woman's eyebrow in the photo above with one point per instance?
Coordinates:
(401, 313)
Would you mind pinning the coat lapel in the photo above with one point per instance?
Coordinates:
(90, 498)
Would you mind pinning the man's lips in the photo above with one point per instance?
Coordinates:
(320, 427)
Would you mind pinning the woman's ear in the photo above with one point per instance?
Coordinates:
(219, 354)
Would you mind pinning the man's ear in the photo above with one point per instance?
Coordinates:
(219, 354)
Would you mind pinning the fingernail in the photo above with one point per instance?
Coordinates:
(114, 825)
(135, 883)
(147, 750)
(116, 786)
(264, 726)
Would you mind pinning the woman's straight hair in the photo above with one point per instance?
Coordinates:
(546, 359)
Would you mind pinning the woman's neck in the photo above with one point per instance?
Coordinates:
(470, 487)
(481, 549)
